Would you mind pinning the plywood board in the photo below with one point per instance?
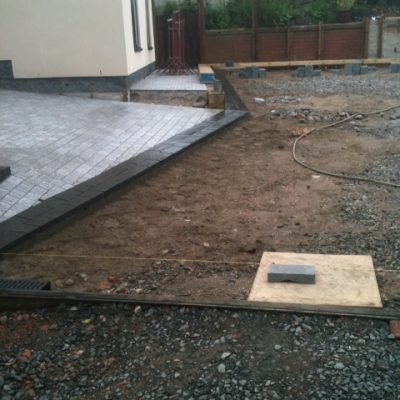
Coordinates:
(341, 280)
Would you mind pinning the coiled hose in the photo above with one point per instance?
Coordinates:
(333, 174)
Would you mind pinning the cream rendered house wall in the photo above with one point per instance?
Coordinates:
(139, 59)
(71, 38)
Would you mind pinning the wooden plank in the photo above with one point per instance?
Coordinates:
(295, 28)
(205, 69)
(36, 299)
(216, 100)
(341, 280)
(288, 64)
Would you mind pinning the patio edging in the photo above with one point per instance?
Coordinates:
(24, 225)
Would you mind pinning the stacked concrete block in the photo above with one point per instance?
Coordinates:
(252, 72)
(357, 69)
(307, 71)
(395, 68)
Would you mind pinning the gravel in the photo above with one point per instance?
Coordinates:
(377, 83)
(109, 352)
(375, 211)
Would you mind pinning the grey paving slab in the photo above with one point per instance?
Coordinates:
(52, 143)
(157, 81)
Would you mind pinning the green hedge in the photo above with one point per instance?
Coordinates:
(237, 13)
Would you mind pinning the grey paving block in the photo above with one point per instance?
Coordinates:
(57, 142)
(304, 274)
(5, 172)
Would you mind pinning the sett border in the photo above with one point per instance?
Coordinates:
(5, 172)
(24, 225)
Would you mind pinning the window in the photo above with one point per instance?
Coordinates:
(135, 26)
(148, 24)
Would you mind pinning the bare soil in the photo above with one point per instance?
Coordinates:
(229, 198)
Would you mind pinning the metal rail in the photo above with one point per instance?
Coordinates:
(10, 299)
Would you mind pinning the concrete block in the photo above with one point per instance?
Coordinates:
(348, 69)
(252, 72)
(352, 69)
(246, 73)
(309, 71)
(5, 172)
(299, 72)
(356, 69)
(217, 85)
(395, 68)
(262, 73)
(229, 63)
(317, 72)
(304, 274)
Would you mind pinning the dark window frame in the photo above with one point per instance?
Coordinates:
(148, 26)
(135, 26)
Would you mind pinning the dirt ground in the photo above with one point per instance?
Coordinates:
(228, 199)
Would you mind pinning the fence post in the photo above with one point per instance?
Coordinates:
(366, 37)
(201, 28)
(254, 25)
(320, 39)
(289, 40)
(380, 36)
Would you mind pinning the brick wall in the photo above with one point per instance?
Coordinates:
(329, 42)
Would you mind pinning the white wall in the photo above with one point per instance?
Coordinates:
(71, 38)
(139, 59)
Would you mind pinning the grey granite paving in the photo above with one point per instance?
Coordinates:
(157, 81)
(55, 142)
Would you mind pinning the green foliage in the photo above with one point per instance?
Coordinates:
(217, 18)
(234, 14)
(345, 5)
(390, 7)
(237, 13)
(275, 12)
(188, 6)
(287, 12)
